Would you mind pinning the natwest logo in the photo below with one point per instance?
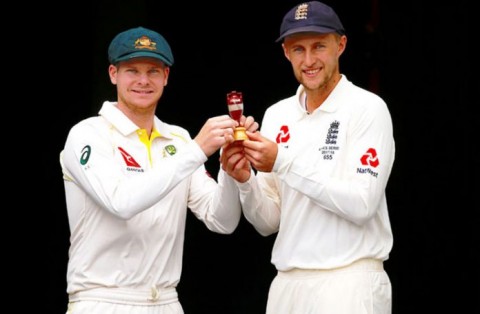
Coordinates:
(370, 158)
(284, 134)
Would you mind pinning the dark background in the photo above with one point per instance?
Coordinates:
(418, 56)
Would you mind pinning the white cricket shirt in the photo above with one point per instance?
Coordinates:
(127, 198)
(326, 193)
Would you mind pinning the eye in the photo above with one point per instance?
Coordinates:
(297, 49)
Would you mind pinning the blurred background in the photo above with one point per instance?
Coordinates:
(416, 55)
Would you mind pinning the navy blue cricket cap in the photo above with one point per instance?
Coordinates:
(312, 16)
(139, 42)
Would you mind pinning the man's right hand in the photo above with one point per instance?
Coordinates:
(215, 133)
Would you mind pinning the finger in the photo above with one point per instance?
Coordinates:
(240, 164)
(223, 117)
(222, 122)
(253, 127)
(246, 121)
(229, 139)
(255, 136)
(242, 120)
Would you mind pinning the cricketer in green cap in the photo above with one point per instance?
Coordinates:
(130, 178)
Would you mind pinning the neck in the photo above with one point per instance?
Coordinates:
(314, 98)
(141, 117)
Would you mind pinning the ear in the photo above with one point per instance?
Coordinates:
(112, 72)
(167, 72)
(342, 44)
(285, 52)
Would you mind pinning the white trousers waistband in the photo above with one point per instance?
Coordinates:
(153, 296)
(362, 264)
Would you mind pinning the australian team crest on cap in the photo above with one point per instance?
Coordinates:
(145, 43)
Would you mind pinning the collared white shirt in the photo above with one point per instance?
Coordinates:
(326, 193)
(127, 198)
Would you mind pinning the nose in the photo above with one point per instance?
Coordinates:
(143, 78)
(309, 58)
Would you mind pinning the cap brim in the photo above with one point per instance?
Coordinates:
(144, 54)
(307, 29)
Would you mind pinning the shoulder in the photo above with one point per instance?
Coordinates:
(88, 126)
(171, 130)
(360, 98)
(94, 131)
(282, 105)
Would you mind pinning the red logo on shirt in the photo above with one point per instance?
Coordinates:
(128, 158)
(284, 135)
(370, 158)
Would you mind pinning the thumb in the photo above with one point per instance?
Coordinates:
(254, 136)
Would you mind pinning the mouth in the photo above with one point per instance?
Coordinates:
(311, 72)
(141, 91)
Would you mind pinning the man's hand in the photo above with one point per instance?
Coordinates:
(260, 151)
(215, 133)
(234, 163)
(249, 123)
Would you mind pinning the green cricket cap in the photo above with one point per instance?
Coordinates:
(139, 42)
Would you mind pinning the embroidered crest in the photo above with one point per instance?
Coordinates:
(301, 12)
(170, 149)
(145, 43)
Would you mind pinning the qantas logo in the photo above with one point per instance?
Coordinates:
(284, 135)
(128, 159)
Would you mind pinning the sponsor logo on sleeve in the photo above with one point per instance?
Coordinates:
(370, 160)
(132, 164)
(85, 156)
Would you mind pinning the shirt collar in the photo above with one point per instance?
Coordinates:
(329, 105)
(124, 125)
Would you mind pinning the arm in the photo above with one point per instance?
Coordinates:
(258, 193)
(91, 161)
(220, 212)
(217, 205)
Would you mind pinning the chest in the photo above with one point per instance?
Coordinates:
(325, 133)
(135, 157)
